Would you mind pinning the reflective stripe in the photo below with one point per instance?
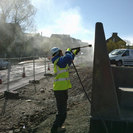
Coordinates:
(61, 71)
(61, 79)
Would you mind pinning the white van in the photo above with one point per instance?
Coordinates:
(121, 57)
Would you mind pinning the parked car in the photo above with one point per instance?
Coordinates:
(121, 57)
(3, 64)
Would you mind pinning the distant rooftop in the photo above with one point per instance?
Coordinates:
(60, 35)
(115, 38)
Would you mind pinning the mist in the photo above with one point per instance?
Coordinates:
(85, 57)
(16, 42)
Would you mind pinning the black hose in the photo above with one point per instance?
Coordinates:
(81, 82)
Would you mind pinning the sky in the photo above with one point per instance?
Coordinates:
(78, 18)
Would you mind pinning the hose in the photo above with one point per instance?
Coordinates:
(81, 82)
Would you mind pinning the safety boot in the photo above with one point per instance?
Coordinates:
(61, 129)
(58, 130)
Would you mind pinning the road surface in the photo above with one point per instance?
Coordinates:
(16, 79)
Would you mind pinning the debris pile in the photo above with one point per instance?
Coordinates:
(34, 107)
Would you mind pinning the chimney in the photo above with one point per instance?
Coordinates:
(114, 34)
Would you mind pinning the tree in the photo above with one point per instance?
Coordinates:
(5, 9)
(111, 45)
(17, 11)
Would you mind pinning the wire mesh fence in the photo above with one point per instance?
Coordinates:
(20, 72)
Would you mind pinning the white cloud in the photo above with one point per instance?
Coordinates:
(68, 22)
(129, 38)
(44, 3)
(59, 20)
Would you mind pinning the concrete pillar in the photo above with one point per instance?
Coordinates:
(104, 97)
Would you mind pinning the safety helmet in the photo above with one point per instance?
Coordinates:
(54, 50)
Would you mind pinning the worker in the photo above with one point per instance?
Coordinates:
(61, 84)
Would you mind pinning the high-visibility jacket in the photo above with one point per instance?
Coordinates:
(61, 80)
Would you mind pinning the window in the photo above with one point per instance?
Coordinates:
(117, 52)
(126, 53)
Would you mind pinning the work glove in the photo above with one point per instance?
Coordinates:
(76, 51)
(69, 49)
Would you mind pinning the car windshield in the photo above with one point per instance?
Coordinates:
(117, 52)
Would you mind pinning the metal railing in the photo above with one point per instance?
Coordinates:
(19, 73)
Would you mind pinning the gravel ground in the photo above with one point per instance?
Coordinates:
(34, 111)
(77, 119)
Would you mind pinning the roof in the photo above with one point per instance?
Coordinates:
(115, 38)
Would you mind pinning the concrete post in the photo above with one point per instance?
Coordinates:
(104, 97)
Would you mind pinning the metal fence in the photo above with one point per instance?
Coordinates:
(22, 71)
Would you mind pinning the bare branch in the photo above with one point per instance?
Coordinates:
(17, 11)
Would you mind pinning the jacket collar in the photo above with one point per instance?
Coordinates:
(54, 58)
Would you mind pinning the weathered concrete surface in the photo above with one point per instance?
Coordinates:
(125, 97)
(123, 76)
(124, 85)
(108, 126)
(104, 97)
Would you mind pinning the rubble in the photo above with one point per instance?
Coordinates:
(21, 116)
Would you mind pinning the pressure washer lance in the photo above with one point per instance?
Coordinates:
(82, 47)
(78, 74)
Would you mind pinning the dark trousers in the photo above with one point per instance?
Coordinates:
(61, 103)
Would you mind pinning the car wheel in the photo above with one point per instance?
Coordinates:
(119, 63)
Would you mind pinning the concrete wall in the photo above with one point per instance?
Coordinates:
(123, 76)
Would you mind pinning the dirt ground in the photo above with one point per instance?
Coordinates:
(35, 110)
